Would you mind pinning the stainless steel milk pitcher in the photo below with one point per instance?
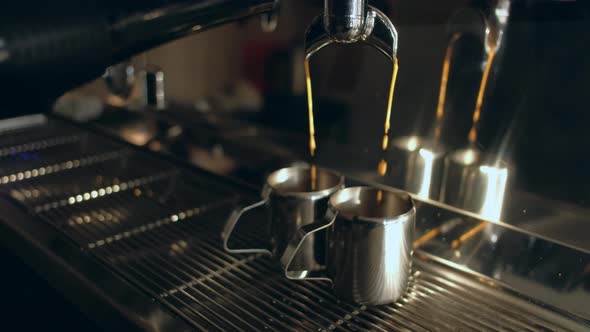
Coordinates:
(293, 197)
(369, 234)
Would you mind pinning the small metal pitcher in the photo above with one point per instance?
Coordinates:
(476, 182)
(369, 236)
(416, 165)
(293, 197)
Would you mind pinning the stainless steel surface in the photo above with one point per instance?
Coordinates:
(496, 22)
(378, 32)
(153, 26)
(47, 149)
(467, 21)
(157, 229)
(416, 165)
(269, 21)
(341, 23)
(152, 87)
(120, 78)
(344, 21)
(536, 71)
(293, 197)
(369, 235)
(486, 20)
(475, 182)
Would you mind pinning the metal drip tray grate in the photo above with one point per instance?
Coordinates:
(159, 226)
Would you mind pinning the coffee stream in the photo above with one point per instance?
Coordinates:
(382, 166)
(312, 142)
(440, 112)
(314, 177)
(472, 133)
(442, 93)
(479, 102)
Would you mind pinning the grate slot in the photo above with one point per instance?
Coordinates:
(48, 169)
(459, 317)
(318, 298)
(83, 184)
(199, 266)
(273, 294)
(390, 320)
(267, 271)
(150, 272)
(119, 222)
(297, 306)
(36, 142)
(202, 296)
(238, 277)
(490, 308)
(477, 313)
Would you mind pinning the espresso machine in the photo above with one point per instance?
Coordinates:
(114, 206)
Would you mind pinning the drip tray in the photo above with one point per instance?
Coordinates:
(177, 258)
(157, 225)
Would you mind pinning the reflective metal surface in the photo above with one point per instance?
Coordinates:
(475, 182)
(152, 86)
(154, 225)
(496, 23)
(417, 165)
(120, 79)
(150, 227)
(344, 21)
(536, 179)
(293, 197)
(528, 264)
(369, 235)
(378, 32)
(548, 271)
(34, 148)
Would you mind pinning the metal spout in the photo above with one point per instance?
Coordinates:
(496, 22)
(344, 20)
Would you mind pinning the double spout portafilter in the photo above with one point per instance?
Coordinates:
(350, 21)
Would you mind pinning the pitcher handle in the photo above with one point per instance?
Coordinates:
(231, 224)
(295, 243)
